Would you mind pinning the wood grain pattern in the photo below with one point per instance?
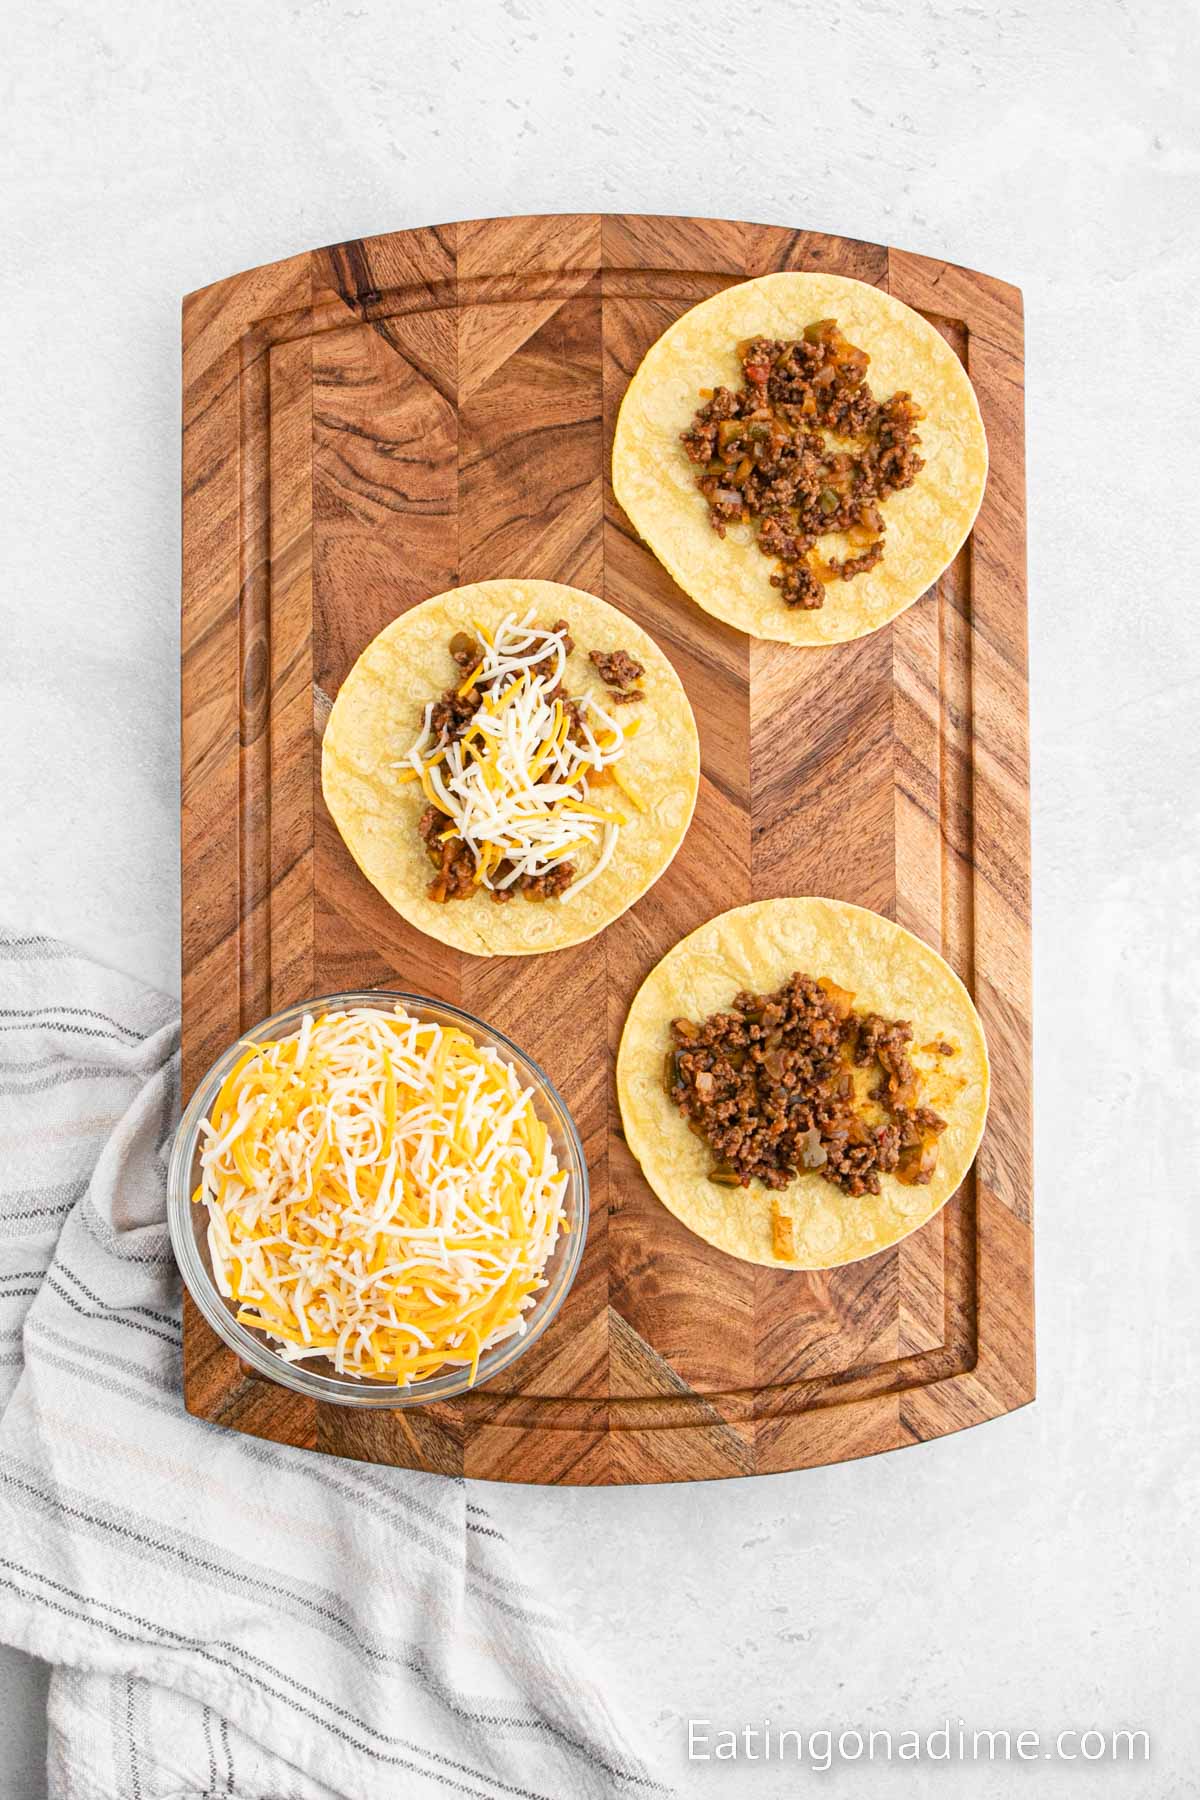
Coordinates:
(369, 424)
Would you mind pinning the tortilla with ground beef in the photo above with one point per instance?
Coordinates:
(378, 714)
(911, 1043)
(920, 487)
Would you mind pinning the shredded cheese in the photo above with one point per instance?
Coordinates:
(380, 1192)
(514, 786)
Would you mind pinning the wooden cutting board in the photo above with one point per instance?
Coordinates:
(371, 423)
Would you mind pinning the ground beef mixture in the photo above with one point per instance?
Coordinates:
(453, 712)
(764, 457)
(455, 878)
(770, 1088)
(621, 671)
(450, 719)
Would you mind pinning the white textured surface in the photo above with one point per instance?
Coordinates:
(1038, 1572)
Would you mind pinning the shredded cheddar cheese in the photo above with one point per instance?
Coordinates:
(514, 787)
(380, 1192)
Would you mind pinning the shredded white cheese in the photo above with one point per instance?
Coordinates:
(515, 787)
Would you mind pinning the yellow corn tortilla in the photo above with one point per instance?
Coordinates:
(926, 524)
(758, 947)
(377, 715)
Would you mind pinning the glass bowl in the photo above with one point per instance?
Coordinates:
(318, 1379)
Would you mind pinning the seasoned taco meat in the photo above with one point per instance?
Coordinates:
(617, 668)
(455, 866)
(769, 1086)
(764, 457)
(549, 886)
(455, 878)
(453, 713)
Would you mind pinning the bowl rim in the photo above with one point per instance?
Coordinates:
(254, 1350)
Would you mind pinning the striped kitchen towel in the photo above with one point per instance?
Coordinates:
(224, 1616)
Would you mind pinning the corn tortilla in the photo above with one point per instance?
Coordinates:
(758, 947)
(377, 715)
(730, 577)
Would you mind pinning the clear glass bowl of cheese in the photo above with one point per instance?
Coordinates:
(473, 1264)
